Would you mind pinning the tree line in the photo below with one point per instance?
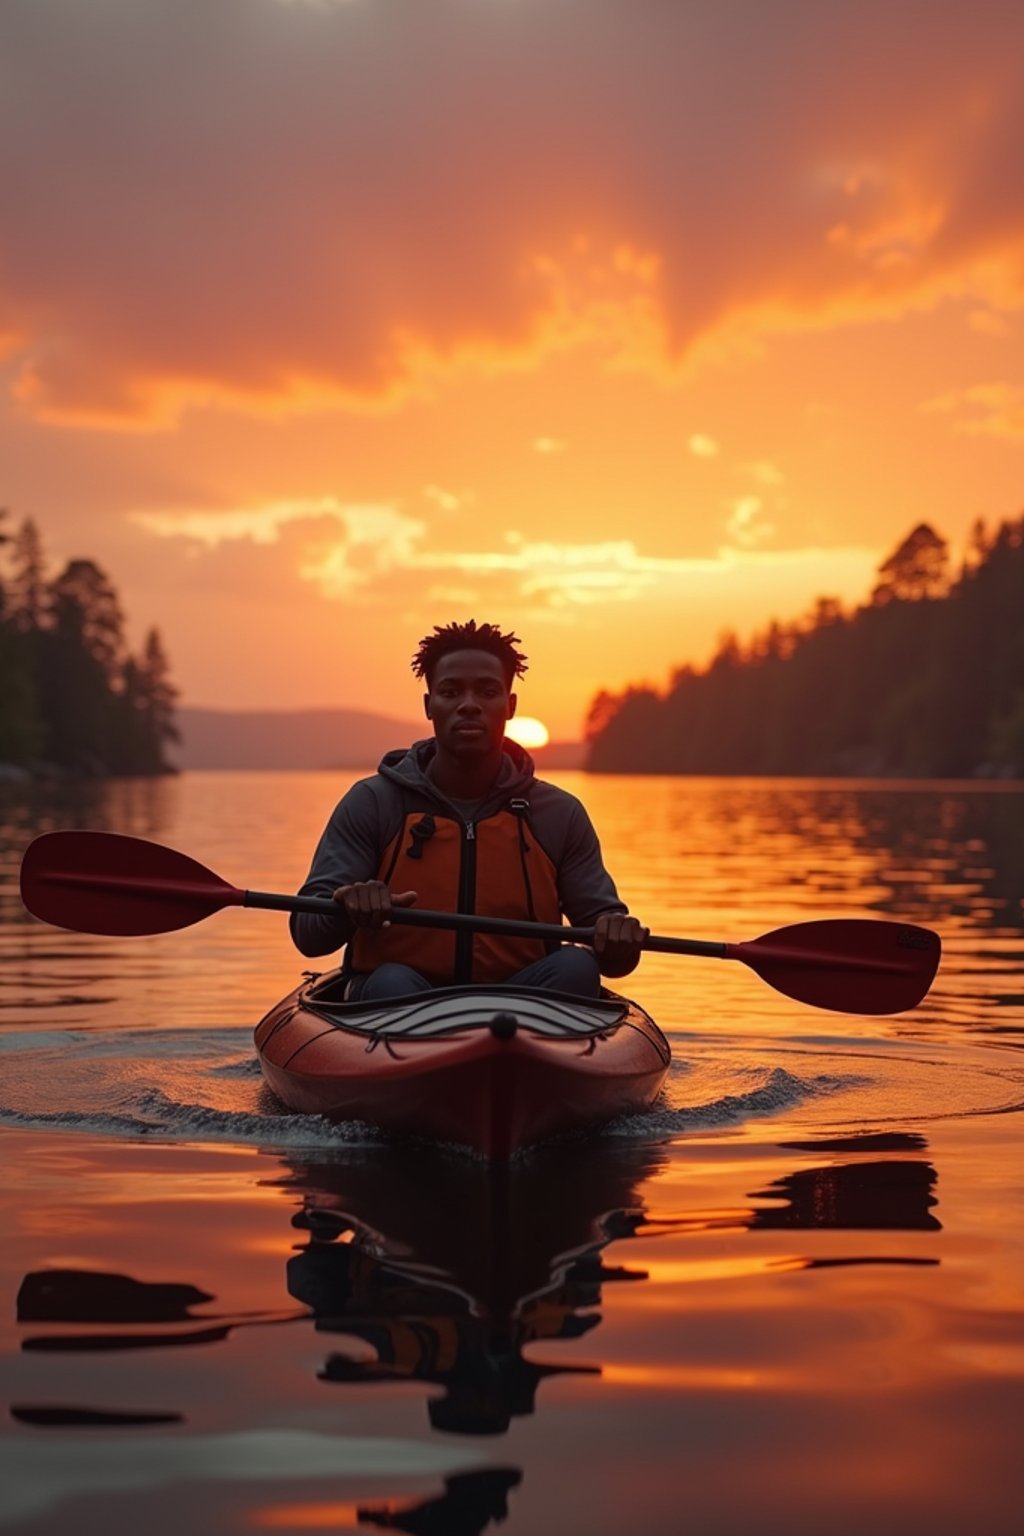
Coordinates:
(924, 679)
(73, 699)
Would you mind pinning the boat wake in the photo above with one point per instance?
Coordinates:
(713, 1099)
(205, 1086)
(173, 1085)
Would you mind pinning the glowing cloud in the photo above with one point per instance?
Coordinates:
(983, 410)
(364, 523)
(225, 229)
(744, 525)
(373, 540)
(377, 540)
(354, 551)
(764, 472)
(446, 500)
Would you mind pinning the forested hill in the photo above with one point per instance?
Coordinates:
(926, 679)
(73, 699)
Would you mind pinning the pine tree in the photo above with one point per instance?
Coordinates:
(20, 729)
(155, 697)
(82, 657)
(27, 598)
(86, 610)
(916, 568)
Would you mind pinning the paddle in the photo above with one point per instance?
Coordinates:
(103, 882)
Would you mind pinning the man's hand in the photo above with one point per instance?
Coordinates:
(369, 903)
(618, 943)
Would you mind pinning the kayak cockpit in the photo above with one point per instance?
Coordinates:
(453, 1010)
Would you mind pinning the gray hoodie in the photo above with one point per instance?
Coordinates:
(371, 814)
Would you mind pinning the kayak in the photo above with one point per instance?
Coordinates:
(494, 1068)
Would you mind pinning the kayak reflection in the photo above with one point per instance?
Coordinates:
(872, 1193)
(469, 1503)
(444, 1275)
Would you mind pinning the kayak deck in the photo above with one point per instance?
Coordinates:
(490, 1068)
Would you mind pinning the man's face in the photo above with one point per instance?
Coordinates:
(469, 703)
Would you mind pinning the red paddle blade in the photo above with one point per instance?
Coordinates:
(104, 882)
(852, 965)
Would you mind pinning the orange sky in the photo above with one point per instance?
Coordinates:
(614, 321)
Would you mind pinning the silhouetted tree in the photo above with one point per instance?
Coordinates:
(916, 568)
(602, 710)
(86, 611)
(927, 678)
(20, 727)
(70, 695)
(145, 714)
(27, 595)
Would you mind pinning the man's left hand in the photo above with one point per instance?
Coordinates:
(618, 943)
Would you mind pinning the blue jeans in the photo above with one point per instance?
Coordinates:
(569, 969)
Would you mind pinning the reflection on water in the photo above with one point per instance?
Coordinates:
(470, 1503)
(80, 1296)
(449, 1289)
(445, 1276)
(90, 1296)
(789, 1302)
(893, 1195)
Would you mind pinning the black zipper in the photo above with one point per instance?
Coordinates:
(467, 903)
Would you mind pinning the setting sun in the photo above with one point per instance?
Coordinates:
(528, 732)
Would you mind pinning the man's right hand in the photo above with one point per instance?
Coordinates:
(369, 903)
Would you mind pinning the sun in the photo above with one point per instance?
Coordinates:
(527, 731)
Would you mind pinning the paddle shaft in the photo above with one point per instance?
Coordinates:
(139, 887)
(560, 933)
(413, 917)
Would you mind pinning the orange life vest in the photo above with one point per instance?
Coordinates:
(494, 867)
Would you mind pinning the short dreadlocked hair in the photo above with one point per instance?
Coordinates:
(473, 637)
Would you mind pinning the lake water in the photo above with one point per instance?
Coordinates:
(790, 1298)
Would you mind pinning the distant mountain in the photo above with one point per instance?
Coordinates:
(312, 739)
(299, 738)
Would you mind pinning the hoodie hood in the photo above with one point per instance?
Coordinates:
(407, 766)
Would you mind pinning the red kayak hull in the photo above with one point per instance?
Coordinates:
(470, 1088)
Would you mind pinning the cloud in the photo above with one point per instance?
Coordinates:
(983, 410)
(375, 552)
(226, 525)
(272, 207)
(562, 577)
(703, 447)
(745, 525)
(549, 445)
(373, 541)
(560, 574)
(764, 472)
(378, 540)
(446, 500)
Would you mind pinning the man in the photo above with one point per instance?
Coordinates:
(459, 823)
